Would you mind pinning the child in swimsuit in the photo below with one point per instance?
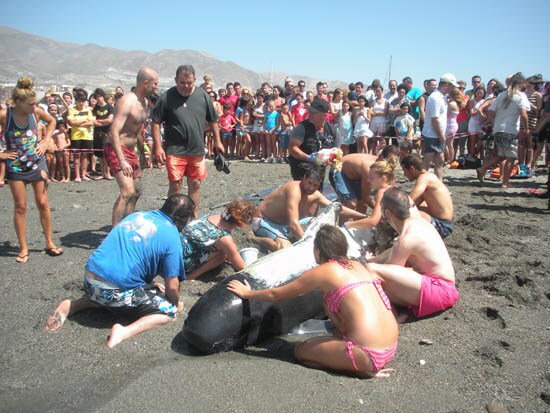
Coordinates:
(367, 333)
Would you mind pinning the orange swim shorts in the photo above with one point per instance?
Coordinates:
(189, 166)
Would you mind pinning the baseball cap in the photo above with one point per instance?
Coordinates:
(449, 78)
(318, 106)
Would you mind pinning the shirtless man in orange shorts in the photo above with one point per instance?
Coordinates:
(125, 133)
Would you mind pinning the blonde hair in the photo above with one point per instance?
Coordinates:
(23, 90)
(385, 168)
(457, 95)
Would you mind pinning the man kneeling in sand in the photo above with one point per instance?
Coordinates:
(430, 194)
(287, 208)
(429, 286)
(119, 274)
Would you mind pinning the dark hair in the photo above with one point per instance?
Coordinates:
(80, 94)
(413, 159)
(359, 84)
(361, 97)
(185, 70)
(315, 172)
(498, 88)
(331, 244)
(226, 106)
(179, 207)
(397, 201)
(480, 87)
(407, 79)
(402, 86)
(388, 151)
(99, 92)
(279, 88)
(405, 104)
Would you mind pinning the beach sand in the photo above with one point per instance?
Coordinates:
(492, 347)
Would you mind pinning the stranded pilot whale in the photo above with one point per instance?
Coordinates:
(220, 320)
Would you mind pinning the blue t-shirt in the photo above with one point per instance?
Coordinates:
(414, 94)
(142, 246)
(271, 120)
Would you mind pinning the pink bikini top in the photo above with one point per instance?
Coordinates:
(334, 298)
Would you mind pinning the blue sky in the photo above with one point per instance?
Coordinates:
(339, 40)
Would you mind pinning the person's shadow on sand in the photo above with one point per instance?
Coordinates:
(100, 318)
(88, 239)
(7, 249)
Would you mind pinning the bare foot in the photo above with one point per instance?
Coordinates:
(56, 320)
(480, 176)
(383, 373)
(117, 336)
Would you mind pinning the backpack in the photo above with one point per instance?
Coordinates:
(467, 161)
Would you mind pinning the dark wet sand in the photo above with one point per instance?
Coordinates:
(494, 345)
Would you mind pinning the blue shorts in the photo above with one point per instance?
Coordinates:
(227, 135)
(137, 302)
(269, 229)
(285, 138)
(345, 188)
(432, 145)
(443, 227)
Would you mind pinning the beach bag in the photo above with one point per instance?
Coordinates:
(521, 172)
(467, 161)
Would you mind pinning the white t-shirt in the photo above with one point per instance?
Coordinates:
(436, 107)
(507, 119)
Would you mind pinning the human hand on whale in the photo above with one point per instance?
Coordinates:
(239, 288)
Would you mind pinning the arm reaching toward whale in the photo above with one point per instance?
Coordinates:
(308, 281)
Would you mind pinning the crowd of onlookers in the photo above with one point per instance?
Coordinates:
(257, 124)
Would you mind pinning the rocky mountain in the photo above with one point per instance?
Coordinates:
(89, 65)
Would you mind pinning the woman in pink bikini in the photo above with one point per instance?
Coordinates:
(355, 302)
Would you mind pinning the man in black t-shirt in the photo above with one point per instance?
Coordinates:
(184, 109)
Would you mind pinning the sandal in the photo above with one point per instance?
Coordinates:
(22, 259)
(53, 252)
